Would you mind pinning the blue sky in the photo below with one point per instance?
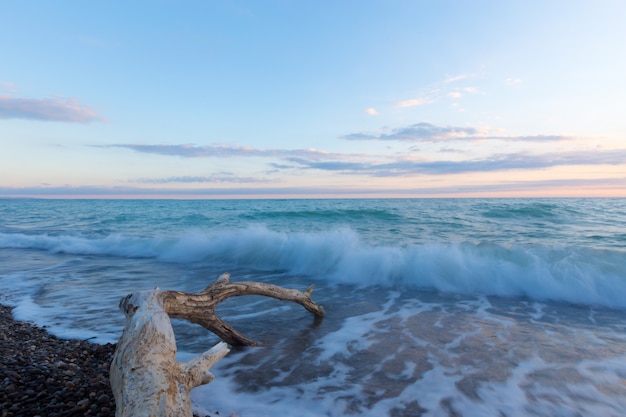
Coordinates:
(213, 99)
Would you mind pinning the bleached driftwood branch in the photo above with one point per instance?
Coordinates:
(145, 377)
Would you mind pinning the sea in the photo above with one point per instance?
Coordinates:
(434, 307)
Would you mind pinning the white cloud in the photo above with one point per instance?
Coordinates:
(413, 102)
(514, 81)
(371, 111)
(439, 90)
(454, 78)
(7, 87)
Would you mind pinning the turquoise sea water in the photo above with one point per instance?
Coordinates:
(435, 307)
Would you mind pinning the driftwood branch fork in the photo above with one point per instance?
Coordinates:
(145, 377)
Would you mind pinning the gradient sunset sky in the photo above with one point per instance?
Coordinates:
(227, 99)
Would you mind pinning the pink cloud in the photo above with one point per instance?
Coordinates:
(57, 110)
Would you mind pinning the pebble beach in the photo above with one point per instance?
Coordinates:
(42, 375)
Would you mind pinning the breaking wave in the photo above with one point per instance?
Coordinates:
(562, 273)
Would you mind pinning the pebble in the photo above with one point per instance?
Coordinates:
(42, 375)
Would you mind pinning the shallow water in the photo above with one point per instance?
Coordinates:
(434, 307)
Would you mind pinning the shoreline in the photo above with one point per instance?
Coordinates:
(43, 375)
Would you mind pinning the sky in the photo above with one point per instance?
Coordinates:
(323, 99)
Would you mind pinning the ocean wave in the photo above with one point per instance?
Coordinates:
(335, 215)
(112, 245)
(528, 210)
(563, 273)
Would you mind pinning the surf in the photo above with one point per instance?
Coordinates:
(540, 272)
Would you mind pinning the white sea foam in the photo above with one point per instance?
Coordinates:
(29, 311)
(394, 361)
(572, 274)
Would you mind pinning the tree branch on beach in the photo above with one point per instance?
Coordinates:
(145, 377)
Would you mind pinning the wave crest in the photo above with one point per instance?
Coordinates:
(566, 273)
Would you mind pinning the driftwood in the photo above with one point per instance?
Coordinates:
(145, 377)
